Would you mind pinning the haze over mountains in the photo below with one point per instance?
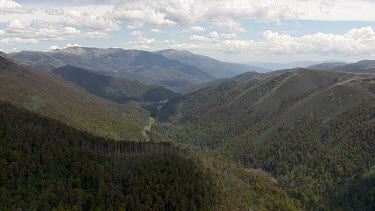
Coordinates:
(365, 66)
(280, 66)
(176, 70)
(294, 139)
(187, 105)
(179, 71)
(38, 111)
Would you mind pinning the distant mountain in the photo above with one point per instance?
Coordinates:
(326, 66)
(282, 66)
(143, 66)
(312, 130)
(116, 89)
(179, 71)
(211, 66)
(365, 66)
(51, 96)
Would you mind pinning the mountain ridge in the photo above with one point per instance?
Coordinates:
(147, 67)
(51, 96)
(304, 125)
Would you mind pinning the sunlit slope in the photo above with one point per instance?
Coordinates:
(312, 130)
(53, 97)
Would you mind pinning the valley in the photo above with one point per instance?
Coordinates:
(297, 139)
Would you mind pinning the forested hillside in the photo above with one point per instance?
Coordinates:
(48, 165)
(115, 89)
(312, 130)
(51, 96)
(143, 66)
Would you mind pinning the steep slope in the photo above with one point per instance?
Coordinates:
(39, 60)
(114, 89)
(146, 67)
(47, 165)
(211, 66)
(52, 97)
(312, 130)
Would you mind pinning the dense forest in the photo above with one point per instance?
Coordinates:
(292, 140)
(118, 90)
(312, 130)
(51, 96)
(48, 165)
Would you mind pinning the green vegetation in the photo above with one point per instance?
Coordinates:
(48, 165)
(50, 96)
(294, 140)
(147, 128)
(115, 89)
(146, 67)
(312, 130)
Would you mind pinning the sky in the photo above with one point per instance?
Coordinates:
(228, 30)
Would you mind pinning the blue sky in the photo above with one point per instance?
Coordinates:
(229, 30)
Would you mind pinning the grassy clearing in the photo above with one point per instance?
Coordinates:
(148, 128)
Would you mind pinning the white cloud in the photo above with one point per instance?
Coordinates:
(53, 11)
(136, 33)
(230, 12)
(354, 42)
(131, 27)
(214, 37)
(18, 32)
(155, 30)
(17, 40)
(71, 45)
(228, 23)
(96, 35)
(89, 21)
(135, 13)
(195, 29)
(53, 47)
(359, 41)
(9, 6)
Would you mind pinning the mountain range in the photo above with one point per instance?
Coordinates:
(79, 129)
(179, 71)
(312, 130)
(66, 148)
(280, 66)
(51, 96)
(365, 66)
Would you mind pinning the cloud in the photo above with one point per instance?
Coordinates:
(214, 37)
(53, 11)
(9, 6)
(53, 47)
(195, 29)
(17, 40)
(96, 35)
(93, 22)
(184, 13)
(228, 23)
(72, 45)
(18, 32)
(358, 41)
(136, 33)
(354, 42)
(155, 30)
(131, 27)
